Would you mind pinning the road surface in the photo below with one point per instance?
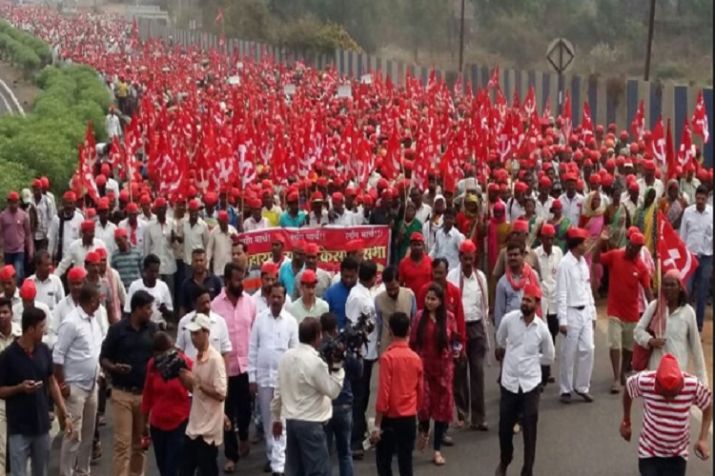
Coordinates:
(577, 439)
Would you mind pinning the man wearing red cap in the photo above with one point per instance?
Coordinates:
(45, 212)
(576, 311)
(668, 395)
(271, 211)
(571, 200)
(628, 274)
(65, 227)
(16, 238)
(28, 295)
(473, 287)
(293, 217)
(324, 280)
(269, 276)
(318, 215)
(631, 198)
(133, 226)
(75, 280)
(339, 215)
(416, 268)
(649, 180)
(218, 249)
(104, 228)
(49, 287)
(256, 221)
(309, 304)
(79, 248)
(195, 232)
(544, 200)
(524, 345)
(689, 183)
(515, 205)
(447, 240)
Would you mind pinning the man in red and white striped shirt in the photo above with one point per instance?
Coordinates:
(667, 395)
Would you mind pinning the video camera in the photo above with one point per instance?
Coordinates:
(351, 339)
(169, 364)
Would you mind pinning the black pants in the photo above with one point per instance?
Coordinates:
(306, 449)
(398, 436)
(201, 456)
(674, 466)
(168, 448)
(440, 429)
(469, 376)
(238, 410)
(361, 395)
(524, 408)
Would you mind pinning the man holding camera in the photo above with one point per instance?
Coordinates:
(303, 394)
(125, 354)
(340, 426)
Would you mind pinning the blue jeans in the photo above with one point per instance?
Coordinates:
(18, 261)
(339, 428)
(699, 287)
(306, 449)
(36, 448)
(168, 448)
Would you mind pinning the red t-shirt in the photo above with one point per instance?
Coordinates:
(167, 402)
(413, 274)
(625, 277)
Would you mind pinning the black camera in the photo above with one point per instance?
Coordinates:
(169, 364)
(351, 339)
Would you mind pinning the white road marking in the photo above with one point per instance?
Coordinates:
(18, 106)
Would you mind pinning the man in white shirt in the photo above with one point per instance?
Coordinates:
(649, 180)
(447, 240)
(524, 346)
(341, 216)
(157, 241)
(76, 368)
(65, 227)
(576, 312)
(133, 226)
(422, 210)
(472, 284)
(45, 212)
(305, 388)
(218, 335)
(218, 249)
(632, 199)
(75, 280)
(28, 294)
(49, 286)
(163, 304)
(273, 333)
(196, 231)
(549, 257)
(104, 229)
(269, 276)
(112, 124)
(571, 200)
(696, 230)
(79, 248)
(544, 200)
(360, 303)
(256, 221)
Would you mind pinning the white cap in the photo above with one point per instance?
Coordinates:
(198, 322)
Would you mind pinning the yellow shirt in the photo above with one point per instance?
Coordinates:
(273, 215)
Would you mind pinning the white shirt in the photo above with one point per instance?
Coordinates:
(19, 308)
(429, 229)
(348, 218)
(106, 234)
(219, 248)
(250, 224)
(572, 207)
(112, 186)
(49, 291)
(59, 313)
(474, 289)
(361, 301)
(218, 335)
(76, 253)
(514, 210)
(446, 245)
(139, 232)
(262, 303)
(527, 347)
(573, 287)
(643, 187)
(195, 237)
(70, 232)
(696, 230)
(543, 210)
(79, 342)
(305, 387)
(160, 292)
(112, 126)
(629, 204)
(45, 213)
(271, 337)
(423, 212)
(549, 265)
(157, 241)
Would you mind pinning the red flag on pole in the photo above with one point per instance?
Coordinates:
(686, 152)
(638, 124)
(658, 142)
(671, 164)
(494, 79)
(672, 251)
(586, 122)
(566, 118)
(700, 119)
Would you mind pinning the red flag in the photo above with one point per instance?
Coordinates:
(686, 153)
(84, 179)
(638, 124)
(671, 164)
(700, 119)
(566, 118)
(546, 113)
(657, 144)
(586, 122)
(673, 252)
(494, 80)
(515, 101)
(530, 102)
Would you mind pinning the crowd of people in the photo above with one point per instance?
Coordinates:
(129, 286)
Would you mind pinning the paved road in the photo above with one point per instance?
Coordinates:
(579, 439)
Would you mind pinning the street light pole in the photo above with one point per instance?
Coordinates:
(651, 22)
(461, 38)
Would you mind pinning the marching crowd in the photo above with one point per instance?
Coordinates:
(126, 291)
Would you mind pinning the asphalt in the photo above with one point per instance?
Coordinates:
(577, 439)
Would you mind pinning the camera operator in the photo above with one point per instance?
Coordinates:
(340, 425)
(125, 354)
(304, 390)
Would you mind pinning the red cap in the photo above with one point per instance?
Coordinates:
(308, 277)
(159, 203)
(354, 245)
(103, 204)
(350, 192)
(101, 180)
(467, 246)
(545, 181)
(633, 187)
(87, 225)
(28, 290)
(417, 236)
(145, 200)
(316, 197)
(668, 378)
(520, 187)
(90, 213)
(101, 252)
(222, 216)
(547, 229)
(194, 205)
(120, 233)
(338, 197)
(132, 208)
(637, 239)
(533, 290)
(594, 179)
(92, 258)
(649, 165)
(255, 203)
(269, 267)
(292, 197)
(557, 205)
(13, 197)
(105, 169)
(45, 182)
(76, 274)
(312, 249)
(69, 196)
(124, 196)
(210, 198)
(570, 177)
(520, 226)
(575, 232)
(7, 272)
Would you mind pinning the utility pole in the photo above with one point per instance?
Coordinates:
(461, 38)
(651, 22)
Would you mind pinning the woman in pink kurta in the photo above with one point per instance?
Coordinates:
(436, 340)
(592, 220)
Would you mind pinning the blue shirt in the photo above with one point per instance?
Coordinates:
(506, 299)
(287, 278)
(289, 221)
(336, 296)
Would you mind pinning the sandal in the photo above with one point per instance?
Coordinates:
(422, 441)
(438, 459)
(229, 467)
(615, 388)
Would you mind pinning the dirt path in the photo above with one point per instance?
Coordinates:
(24, 90)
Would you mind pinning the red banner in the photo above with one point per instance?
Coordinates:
(332, 241)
